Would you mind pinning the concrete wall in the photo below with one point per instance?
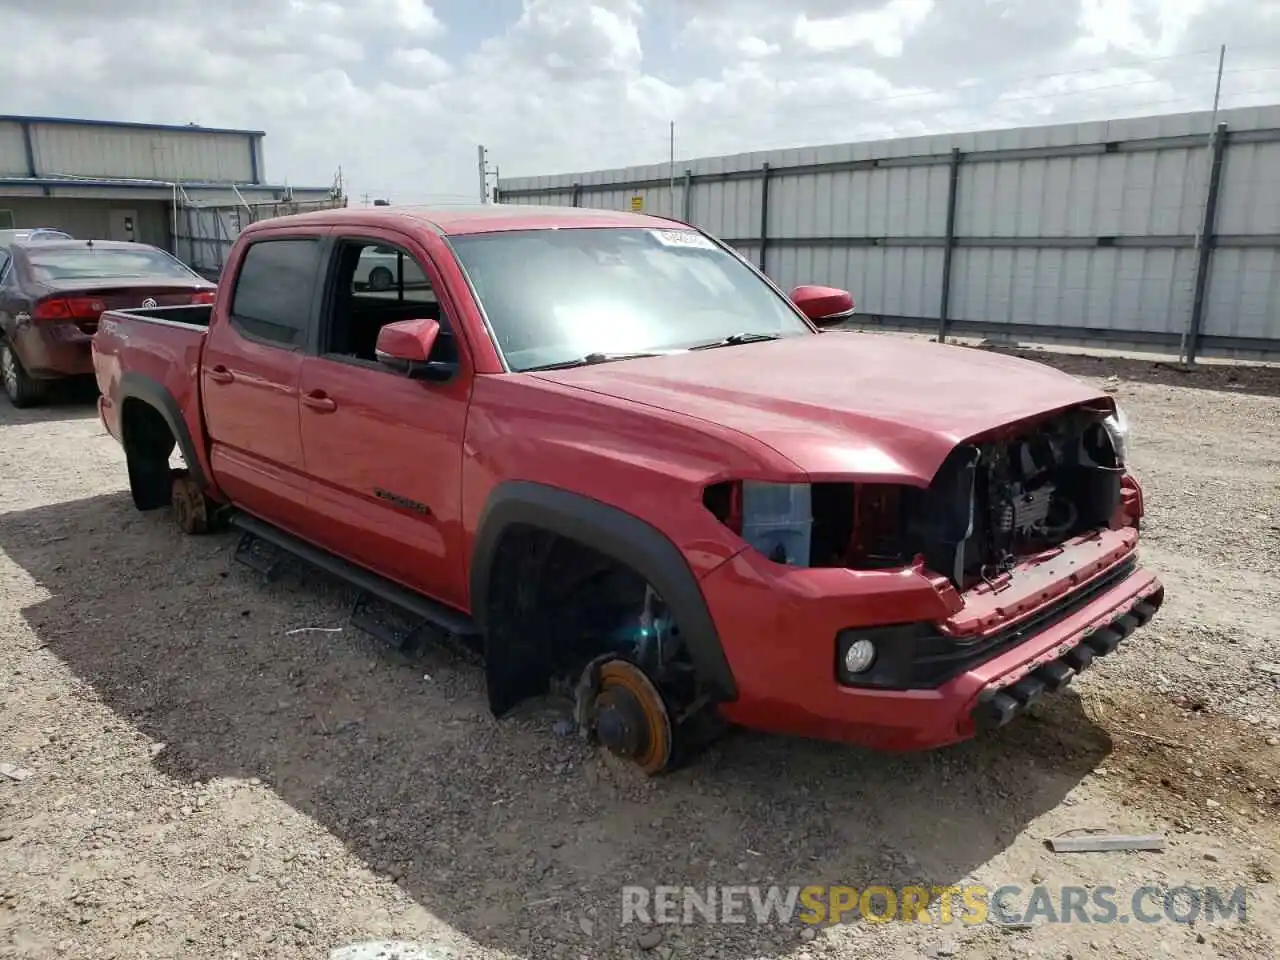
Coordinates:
(1080, 232)
(91, 219)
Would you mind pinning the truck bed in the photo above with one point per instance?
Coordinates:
(154, 349)
(193, 315)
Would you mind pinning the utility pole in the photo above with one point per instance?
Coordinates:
(482, 162)
(1201, 239)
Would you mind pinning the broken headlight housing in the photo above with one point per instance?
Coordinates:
(774, 518)
(1117, 426)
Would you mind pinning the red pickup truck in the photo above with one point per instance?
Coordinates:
(617, 459)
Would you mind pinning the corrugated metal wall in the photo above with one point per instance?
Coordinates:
(13, 151)
(1082, 232)
(104, 150)
(154, 154)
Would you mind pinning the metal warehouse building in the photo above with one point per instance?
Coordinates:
(1085, 233)
(185, 188)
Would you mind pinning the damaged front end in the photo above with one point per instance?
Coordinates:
(1024, 536)
(1004, 498)
(996, 500)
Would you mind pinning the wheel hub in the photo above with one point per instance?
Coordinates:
(631, 718)
(189, 506)
(620, 723)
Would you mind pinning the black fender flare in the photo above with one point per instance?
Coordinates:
(137, 386)
(616, 534)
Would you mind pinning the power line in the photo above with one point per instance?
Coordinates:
(950, 103)
(852, 110)
(848, 118)
(752, 139)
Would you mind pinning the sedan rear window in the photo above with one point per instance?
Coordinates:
(91, 264)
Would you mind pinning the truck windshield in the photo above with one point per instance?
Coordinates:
(552, 296)
(86, 263)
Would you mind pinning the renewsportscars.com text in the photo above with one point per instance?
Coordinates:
(973, 904)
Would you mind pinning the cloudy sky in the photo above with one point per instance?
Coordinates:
(400, 92)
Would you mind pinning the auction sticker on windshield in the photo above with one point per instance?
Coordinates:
(682, 238)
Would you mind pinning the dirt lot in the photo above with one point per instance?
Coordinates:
(205, 781)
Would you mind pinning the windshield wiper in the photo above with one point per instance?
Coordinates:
(734, 339)
(590, 360)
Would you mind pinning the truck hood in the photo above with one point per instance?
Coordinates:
(841, 405)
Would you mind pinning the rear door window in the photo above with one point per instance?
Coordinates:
(274, 290)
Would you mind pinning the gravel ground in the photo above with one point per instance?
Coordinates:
(206, 781)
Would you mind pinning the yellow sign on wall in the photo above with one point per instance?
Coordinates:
(637, 204)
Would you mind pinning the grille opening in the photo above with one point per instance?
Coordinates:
(858, 526)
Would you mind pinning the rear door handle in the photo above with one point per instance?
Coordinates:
(221, 374)
(319, 401)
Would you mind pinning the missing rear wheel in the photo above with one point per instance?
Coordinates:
(190, 506)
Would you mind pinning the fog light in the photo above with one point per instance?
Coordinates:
(859, 656)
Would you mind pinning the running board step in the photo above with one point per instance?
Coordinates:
(437, 615)
(407, 633)
(258, 555)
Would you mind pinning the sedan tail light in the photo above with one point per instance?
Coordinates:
(68, 308)
(204, 296)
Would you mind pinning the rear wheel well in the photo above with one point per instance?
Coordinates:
(145, 430)
(148, 443)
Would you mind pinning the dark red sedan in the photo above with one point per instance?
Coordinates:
(53, 291)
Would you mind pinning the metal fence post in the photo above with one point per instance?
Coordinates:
(764, 214)
(953, 188)
(1208, 240)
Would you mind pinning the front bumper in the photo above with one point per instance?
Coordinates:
(778, 627)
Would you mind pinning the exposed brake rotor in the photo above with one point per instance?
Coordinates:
(190, 508)
(631, 718)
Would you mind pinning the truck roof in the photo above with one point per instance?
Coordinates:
(474, 218)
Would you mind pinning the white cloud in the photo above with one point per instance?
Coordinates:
(884, 30)
(399, 93)
(756, 47)
(412, 18)
(420, 64)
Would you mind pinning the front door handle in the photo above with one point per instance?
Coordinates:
(319, 401)
(221, 374)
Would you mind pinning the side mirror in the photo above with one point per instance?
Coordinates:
(823, 305)
(405, 347)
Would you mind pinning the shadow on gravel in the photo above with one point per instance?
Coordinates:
(514, 836)
(65, 401)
